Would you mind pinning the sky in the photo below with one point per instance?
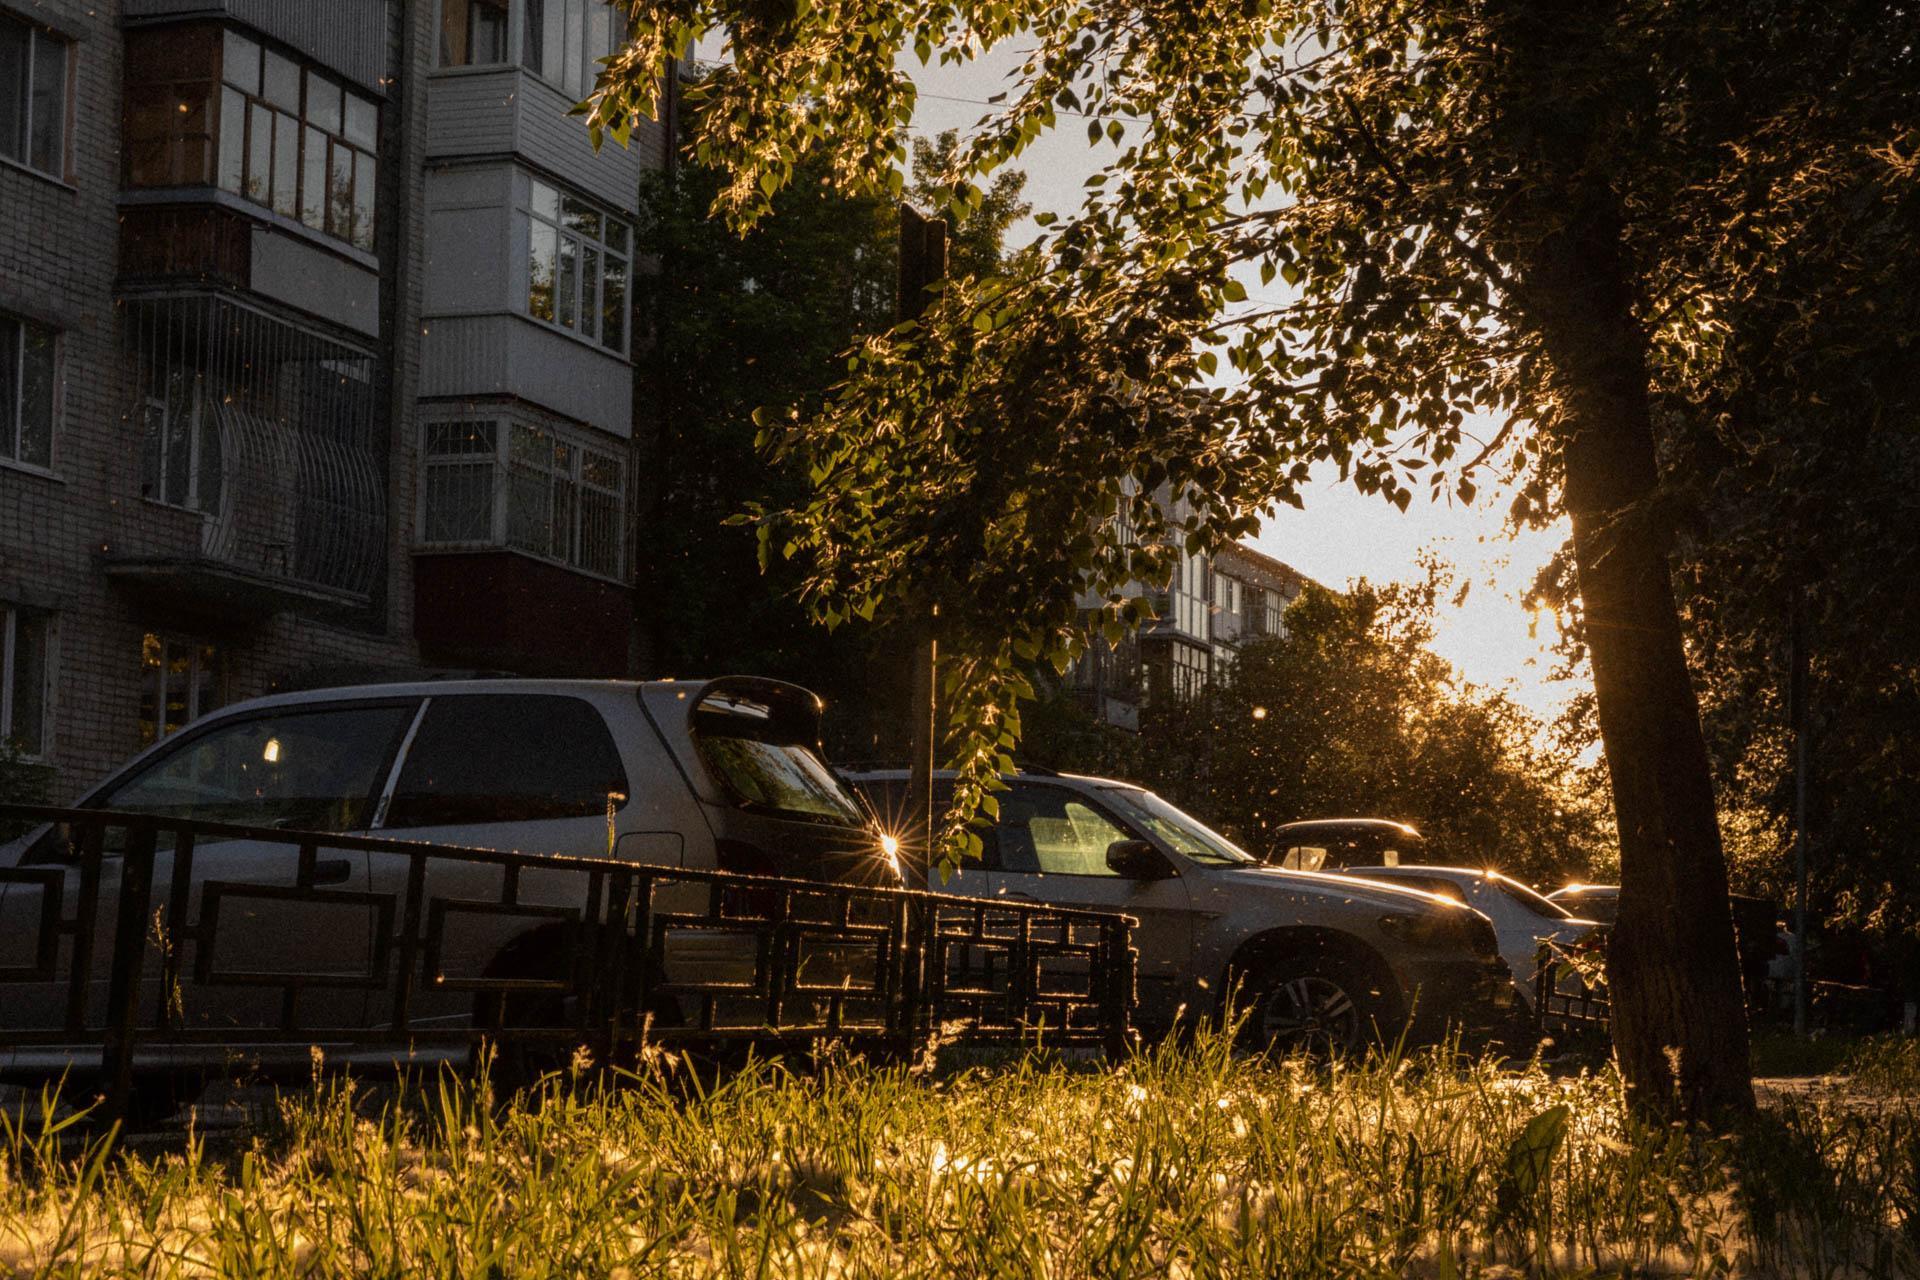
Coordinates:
(1342, 535)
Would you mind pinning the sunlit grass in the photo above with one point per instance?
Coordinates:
(1187, 1162)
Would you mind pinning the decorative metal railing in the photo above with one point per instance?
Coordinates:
(265, 429)
(1570, 996)
(126, 938)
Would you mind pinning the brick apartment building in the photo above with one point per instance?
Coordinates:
(315, 355)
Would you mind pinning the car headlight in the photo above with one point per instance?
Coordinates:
(1459, 927)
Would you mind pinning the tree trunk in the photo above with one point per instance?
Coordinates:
(1679, 1020)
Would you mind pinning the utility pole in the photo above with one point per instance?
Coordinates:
(923, 264)
(1797, 720)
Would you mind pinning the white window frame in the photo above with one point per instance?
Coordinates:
(563, 236)
(202, 421)
(576, 78)
(37, 37)
(569, 456)
(507, 55)
(1192, 595)
(13, 417)
(9, 655)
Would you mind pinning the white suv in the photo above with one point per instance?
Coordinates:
(1320, 959)
(722, 774)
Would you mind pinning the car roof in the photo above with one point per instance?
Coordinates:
(1444, 873)
(494, 685)
(1308, 826)
(1021, 775)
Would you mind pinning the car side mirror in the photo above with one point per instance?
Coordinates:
(1137, 860)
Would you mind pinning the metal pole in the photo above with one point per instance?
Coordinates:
(1797, 718)
(923, 264)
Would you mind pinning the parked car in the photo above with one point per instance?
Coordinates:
(719, 774)
(1589, 901)
(1320, 959)
(1334, 844)
(1756, 928)
(1522, 919)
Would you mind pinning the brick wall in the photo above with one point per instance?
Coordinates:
(58, 248)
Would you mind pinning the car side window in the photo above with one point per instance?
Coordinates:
(1051, 831)
(311, 769)
(483, 758)
(1304, 857)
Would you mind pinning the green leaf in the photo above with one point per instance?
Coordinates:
(1529, 1160)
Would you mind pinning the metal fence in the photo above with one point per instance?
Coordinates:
(1566, 1001)
(153, 939)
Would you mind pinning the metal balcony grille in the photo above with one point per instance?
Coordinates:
(267, 430)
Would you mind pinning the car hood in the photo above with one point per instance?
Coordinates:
(1320, 886)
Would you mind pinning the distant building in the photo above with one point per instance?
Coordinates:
(1208, 611)
(316, 355)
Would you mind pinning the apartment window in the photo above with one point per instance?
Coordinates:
(473, 33)
(33, 96)
(1189, 672)
(180, 681)
(1191, 594)
(577, 263)
(23, 680)
(169, 125)
(212, 107)
(457, 483)
(1175, 671)
(1276, 606)
(564, 41)
(297, 140)
(181, 446)
(26, 391)
(495, 483)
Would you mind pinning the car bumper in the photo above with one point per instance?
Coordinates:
(1474, 998)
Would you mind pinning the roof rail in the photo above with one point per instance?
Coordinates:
(876, 766)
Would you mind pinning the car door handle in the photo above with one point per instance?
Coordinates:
(332, 871)
(1018, 897)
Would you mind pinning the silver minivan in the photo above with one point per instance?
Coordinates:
(723, 774)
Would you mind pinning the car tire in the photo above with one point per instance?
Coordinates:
(1314, 1004)
(518, 1063)
(155, 1097)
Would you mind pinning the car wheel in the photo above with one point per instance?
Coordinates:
(158, 1096)
(1310, 1004)
(520, 1062)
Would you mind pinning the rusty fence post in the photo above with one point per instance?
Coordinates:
(1117, 1013)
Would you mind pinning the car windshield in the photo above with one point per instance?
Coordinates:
(1182, 832)
(785, 777)
(1539, 905)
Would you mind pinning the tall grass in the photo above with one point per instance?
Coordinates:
(1188, 1161)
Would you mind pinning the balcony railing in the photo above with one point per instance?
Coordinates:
(264, 431)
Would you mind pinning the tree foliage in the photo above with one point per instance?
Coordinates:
(1349, 713)
(738, 323)
(1791, 432)
(1327, 231)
